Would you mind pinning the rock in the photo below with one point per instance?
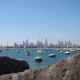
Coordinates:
(8, 65)
(65, 69)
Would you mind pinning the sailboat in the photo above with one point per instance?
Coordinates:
(17, 50)
(38, 58)
(27, 52)
(0, 49)
(25, 49)
(39, 51)
(7, 48)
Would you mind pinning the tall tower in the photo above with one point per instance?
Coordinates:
(23, 44)
(27, 43)
(38, 43)
(46, 43)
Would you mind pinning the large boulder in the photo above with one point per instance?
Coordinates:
(8, 65)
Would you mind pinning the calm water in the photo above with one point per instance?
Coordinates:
(30, 59)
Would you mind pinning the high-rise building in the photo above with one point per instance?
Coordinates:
(69, 43)
(59, 43)
(31, 44)
(23, 44)
(15, 45)
(27, 43)
(46, 43)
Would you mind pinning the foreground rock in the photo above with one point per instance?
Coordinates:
(66, 69)
(8, 65)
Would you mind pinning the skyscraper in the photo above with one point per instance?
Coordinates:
(27, 43)
(46, 43)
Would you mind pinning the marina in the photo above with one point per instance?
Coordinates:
(44, 56)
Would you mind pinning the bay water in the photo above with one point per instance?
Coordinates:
(30, 59)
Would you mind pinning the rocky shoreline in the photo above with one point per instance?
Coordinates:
(65, 69)
(9, 65)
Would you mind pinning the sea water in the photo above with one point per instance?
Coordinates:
(30, 59)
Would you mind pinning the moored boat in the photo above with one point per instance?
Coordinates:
(17, 51)
(52, 55)
(38, 59)
(27, 53)
(67, 52)
(0, 50)
(39, 51)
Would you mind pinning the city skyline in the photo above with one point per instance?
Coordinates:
(27, 41)
(27, 44)
(56, 20)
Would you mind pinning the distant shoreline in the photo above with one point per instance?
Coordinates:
(44, 48)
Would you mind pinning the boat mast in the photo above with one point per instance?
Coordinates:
(38, 40)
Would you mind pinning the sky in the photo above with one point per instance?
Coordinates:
(56, 20)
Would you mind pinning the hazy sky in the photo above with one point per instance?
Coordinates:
(54, 19)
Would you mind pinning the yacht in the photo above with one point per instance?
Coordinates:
(27, 53)
(0, 50)
(67, 52)
(38, 59)
(39, 51)
(25, 50)
(17, 51)
(7, 48)
(52, 55)
(72, 50)
(61, 51)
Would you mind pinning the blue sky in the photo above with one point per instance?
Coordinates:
(54, 19)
